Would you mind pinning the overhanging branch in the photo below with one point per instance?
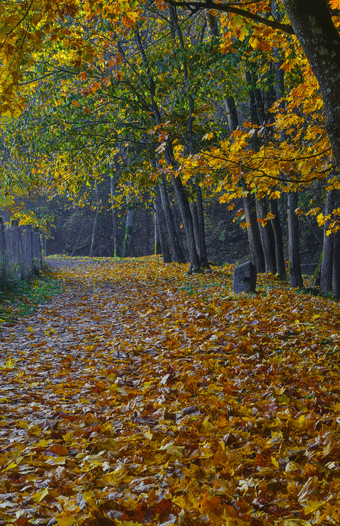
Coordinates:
(227, 8)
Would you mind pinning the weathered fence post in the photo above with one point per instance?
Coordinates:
(15, 260)
(36, 251)
(2, 251)
(27, 238)
(20, 252)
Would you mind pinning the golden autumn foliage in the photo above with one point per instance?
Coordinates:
(141, 396)
(38, 39)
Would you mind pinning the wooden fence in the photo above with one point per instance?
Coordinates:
(20, 252)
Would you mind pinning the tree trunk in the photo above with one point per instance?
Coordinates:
(147, 232)
(157, 237)
(336, 266)
(249, 206)
(201, 228)
(114, 220)
(267, 238)
(231, 111)
(277, 230)
(320, 40)
(294, 243)
(95, 223)
(181, 194)
(128, 233)
(184, 207)
(254, 116)
(328, 249)
(193, 210)
(161, 228)
(177, 251)
(253, 233)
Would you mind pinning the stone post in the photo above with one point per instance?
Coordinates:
(244, 279)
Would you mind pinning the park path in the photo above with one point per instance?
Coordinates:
(141, 396)
(76, 377)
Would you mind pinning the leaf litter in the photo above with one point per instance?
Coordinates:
(142, 396)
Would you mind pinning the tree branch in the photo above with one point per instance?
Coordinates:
(17, 24)
(227, 8)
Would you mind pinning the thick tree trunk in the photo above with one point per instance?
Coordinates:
(184, 207)
(157, 237)
(114, 220)
(128, 233)
(320, 40)
(294, 243)
(254, 116)
(196, 208)
(201, 228)
(336, 266)
(175, 245)
(193, 210)
(267, 237)
(253, 233)
(161, 229)
(181, 194)
(147, 232)
(328, 249)
(95, 223)
(231, 111)
(177, 183)
(249, 205)
(277, 230)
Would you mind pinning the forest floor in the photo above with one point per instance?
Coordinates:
(141, 395)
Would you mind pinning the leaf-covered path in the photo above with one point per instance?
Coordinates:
(142, 396)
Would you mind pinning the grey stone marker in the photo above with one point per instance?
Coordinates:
(244, 279)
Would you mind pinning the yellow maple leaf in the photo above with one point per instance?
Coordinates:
(40, 495)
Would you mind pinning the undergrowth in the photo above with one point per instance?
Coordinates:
(25, 296)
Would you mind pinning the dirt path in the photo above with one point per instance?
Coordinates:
(127, 400)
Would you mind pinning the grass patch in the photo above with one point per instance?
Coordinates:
(25, 296)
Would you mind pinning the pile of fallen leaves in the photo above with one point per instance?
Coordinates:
(142, 396)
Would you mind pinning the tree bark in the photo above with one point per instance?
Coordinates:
(267, 237)
(114, 220)
(328, 249)
(128, 233)
(253, 233)
(294, 243)
(147, 232)
(157, 237)
(231, 111)
(181, 194)
(176, 181)
(161, 229)
(193, 210)
(175, 245)
(336, 266)
(320, 40)
(277, 230)
(201, 228)
(184, 207)
(95, 222)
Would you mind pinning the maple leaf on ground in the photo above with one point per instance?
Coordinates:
(144, 396)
